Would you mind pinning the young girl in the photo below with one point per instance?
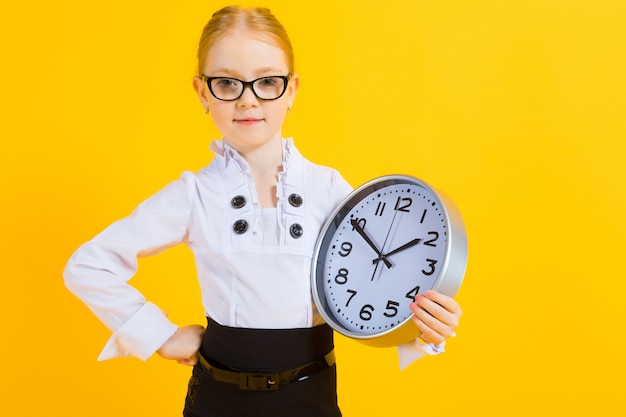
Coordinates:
(251, 219)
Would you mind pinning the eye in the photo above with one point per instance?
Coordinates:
(269, 81)
(226, 83)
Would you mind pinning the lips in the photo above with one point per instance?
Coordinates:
(249, 121)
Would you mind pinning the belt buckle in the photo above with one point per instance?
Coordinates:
(259, 382)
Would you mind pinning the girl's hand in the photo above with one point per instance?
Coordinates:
(436, 316)
(183, 345)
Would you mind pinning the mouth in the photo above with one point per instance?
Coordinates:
(249, 121)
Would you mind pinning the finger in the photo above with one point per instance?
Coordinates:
(188, 362)
(427, 334)
(433, 329)
(437, 311)
(446, 302)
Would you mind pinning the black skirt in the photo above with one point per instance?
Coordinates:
(266, 351)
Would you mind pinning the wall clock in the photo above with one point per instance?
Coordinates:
(390, 239)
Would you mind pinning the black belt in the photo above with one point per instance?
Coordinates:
(258, 381)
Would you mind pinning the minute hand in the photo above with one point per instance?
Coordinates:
(396, 250)
(365, 237)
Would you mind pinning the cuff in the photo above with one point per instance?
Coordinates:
(142, 335)
(412, 351)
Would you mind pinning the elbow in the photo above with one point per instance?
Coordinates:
(70, 278)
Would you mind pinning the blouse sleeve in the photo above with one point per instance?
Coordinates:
(99, 271)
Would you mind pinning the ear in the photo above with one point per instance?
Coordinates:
(292, 88)
(202, 90)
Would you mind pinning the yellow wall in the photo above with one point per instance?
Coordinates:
(513, 108)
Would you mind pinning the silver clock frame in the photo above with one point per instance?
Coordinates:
(450, 275)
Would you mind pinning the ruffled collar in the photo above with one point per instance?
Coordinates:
(229, 155)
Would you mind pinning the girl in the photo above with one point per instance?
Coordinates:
(251, 218)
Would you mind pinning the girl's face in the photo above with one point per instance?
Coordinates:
(246, 123)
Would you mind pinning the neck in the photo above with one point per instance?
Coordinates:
(265, 163)
(265, 160)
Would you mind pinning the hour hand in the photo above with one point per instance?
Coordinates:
(403, 247)
(355, 224)
(396, 250)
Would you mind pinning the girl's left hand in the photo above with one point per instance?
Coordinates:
(436, 316)
(183, 345)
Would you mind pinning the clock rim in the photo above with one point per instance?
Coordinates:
(448, 281)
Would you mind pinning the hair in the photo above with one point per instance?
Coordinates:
(258, 20)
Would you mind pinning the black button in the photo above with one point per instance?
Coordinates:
(240, 227)
(296, 231)
(295, 200)
(238, 201)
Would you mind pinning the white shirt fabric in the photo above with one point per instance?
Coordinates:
(256, 279)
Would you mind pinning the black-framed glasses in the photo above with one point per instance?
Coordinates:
(231, 89)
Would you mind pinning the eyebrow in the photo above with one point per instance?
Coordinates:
(258, 73)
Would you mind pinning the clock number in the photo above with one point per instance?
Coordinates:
(360, 222)
(393, 307)
(351, 297)
(423, 216)
(431, 241)
(366, 312)
(413, 293)
(406, 203)
(346, 248)
(380, 208)
(342, 276)
(431, 263)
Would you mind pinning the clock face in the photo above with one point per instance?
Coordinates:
(385, 244)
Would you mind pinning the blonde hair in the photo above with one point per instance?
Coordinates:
(258, 20)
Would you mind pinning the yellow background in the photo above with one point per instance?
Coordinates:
(513, 108)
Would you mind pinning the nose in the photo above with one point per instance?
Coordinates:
(248, 98)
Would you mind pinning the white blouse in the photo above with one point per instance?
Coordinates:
(253, 264)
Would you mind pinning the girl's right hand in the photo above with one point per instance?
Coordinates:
(183, 346)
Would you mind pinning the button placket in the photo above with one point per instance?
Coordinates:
(293, 205)
(240, 214)
(292, 210)
(240, 226)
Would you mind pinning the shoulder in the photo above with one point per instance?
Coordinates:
(175, 195)
(327, 176)
(319, 175)
(324, 185)
(185, 188)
